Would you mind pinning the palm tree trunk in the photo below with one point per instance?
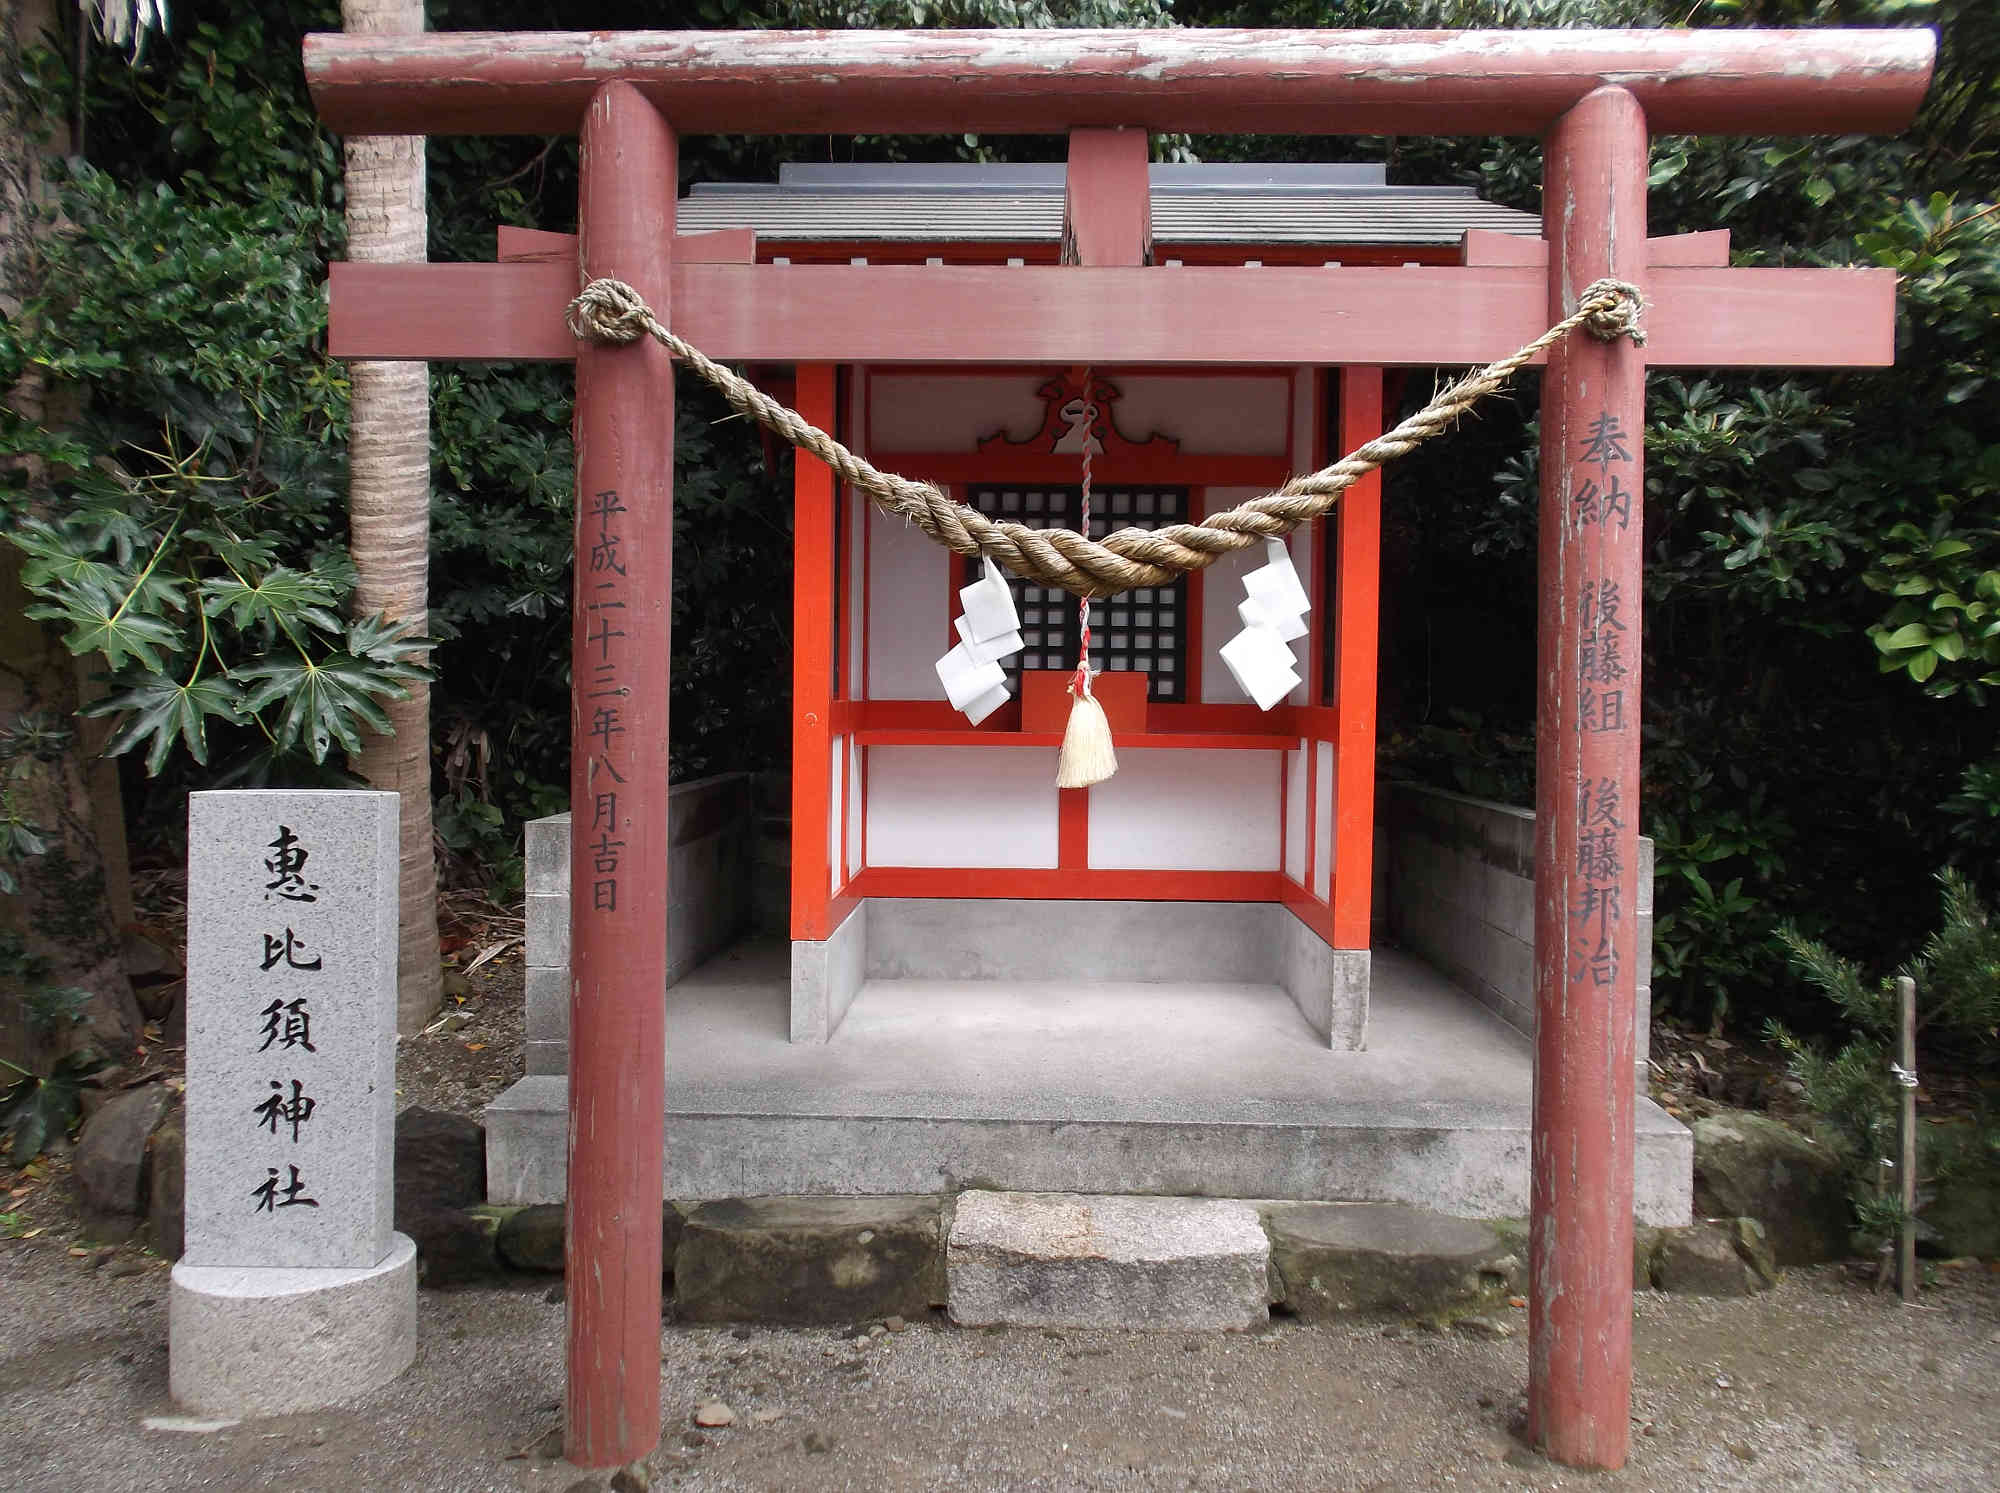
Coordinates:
(389, 512)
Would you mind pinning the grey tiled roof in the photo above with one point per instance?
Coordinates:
(1336, 204)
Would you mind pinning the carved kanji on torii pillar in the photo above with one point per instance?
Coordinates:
(1594, 96)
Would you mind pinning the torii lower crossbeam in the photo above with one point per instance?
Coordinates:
(1595, 94)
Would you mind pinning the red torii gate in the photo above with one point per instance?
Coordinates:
(1593, 95)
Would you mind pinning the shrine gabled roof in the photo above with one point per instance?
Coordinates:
(1191, 204)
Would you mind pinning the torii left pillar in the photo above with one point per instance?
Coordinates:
(624, 587)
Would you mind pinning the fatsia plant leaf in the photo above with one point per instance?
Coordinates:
(397, 647)
(158, 709)
(102, 621)
(282, 596)
(326, 700)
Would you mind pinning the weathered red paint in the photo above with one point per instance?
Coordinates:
(718, 246)
(1107, 198)
(618, 800)
(1065, 314)
(1024, 82)
(1587, 802)
(1708, 249)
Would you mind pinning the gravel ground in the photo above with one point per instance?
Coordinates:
(1819, 1385)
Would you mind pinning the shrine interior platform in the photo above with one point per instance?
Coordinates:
(1191, 1089)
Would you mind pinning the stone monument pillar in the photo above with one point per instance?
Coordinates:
(294, 1291)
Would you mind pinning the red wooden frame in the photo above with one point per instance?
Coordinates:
(1424, 316)
(1198, 79)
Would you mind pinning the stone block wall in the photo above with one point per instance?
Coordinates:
(1461, 893)
(712, 833)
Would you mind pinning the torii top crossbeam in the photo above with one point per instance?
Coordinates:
(1039, 82)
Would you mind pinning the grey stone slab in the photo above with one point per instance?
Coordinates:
(1339, 1259)
(545, 844)
(1646, 861)
(547, 996)
(291, 1013)
(547, 918)
(281, 1341)
(1067, 1260)
(810, 1259)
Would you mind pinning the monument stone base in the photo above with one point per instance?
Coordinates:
(277, 1340)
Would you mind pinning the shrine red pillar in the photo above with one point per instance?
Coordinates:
(1587, 800)
(618, 798)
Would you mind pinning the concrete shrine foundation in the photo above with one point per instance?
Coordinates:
(1196, 1089)
(1202, 1049)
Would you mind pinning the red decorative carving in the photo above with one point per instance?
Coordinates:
(1077, 413)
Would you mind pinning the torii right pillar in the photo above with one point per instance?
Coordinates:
(1587, 799)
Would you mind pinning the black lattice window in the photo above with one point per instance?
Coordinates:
(1143, 631)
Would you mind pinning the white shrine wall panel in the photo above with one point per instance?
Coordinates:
(962, 806)
(857, 806)
(1295, 813)
(1323, 784)
(1188, 810)
(854, 605)
(909, 610)
(928, 412)
(1306, 540)
(836, 813)
(1232, 414)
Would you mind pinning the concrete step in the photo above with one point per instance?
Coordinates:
(1067, 1260)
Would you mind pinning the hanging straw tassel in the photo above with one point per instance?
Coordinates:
(1087, 756)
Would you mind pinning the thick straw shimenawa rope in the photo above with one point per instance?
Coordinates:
(613, 312)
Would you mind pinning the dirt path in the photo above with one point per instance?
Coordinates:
(1820, 1385)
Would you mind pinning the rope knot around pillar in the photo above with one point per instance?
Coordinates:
(1611, 309)
(609, 311)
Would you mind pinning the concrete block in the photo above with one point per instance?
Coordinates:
(826, 976)
(527, 1142)
(545, 844)
(914, 938)
(1511, 904)
(280, 1341)
(1329, 986)
(1645, 907)
(546, 1057)
(547, 996)
(1511, 967)
(547, 920)
(1338, 1259)
(810, 1259)
(1068, 1260)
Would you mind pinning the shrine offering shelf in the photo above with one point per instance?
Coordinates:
(1122, 740)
